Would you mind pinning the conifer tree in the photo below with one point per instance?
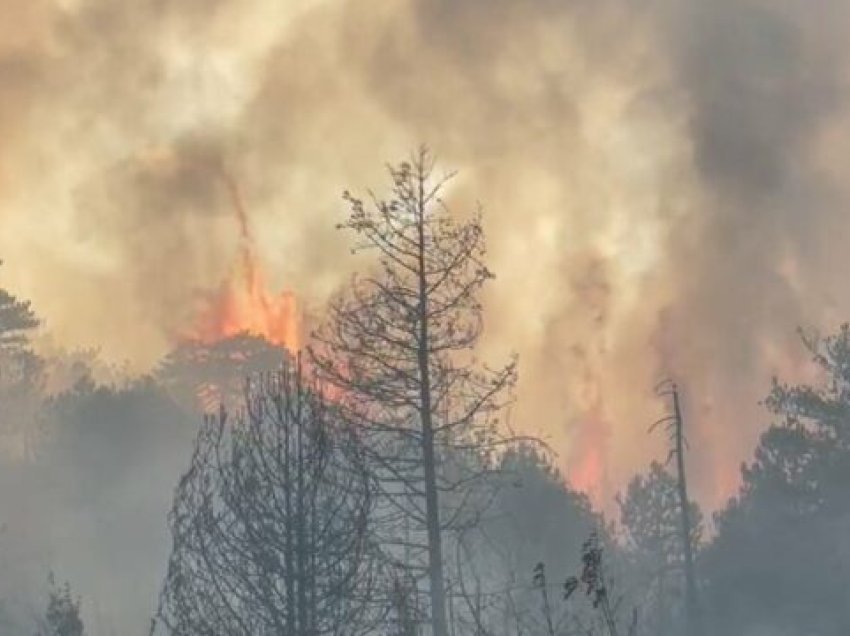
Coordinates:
(399, 347)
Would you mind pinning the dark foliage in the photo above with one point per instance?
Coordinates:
(781, 559)
(270, 524)
(62, 617)
(650, 517)
(205, 375)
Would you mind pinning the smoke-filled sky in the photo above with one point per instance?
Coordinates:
(664, 183)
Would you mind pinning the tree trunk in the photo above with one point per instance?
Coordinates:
(432, 511)
(694, 622)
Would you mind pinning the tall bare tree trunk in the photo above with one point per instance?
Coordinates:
(432, 510)
(400, 340)
(691, 595)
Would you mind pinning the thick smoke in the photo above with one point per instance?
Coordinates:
(662, 183)
(767, 108)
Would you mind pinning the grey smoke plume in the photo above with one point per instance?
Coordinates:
(663, 183)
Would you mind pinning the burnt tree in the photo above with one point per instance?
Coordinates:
(676, 431)
(398, 345)
(270, 523)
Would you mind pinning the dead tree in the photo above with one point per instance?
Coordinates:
(270, 524)
(398, 346)
(675, 428)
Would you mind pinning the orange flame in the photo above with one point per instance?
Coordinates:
(244, 303)
(588, 473)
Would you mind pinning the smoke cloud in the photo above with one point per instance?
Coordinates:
(663, 184)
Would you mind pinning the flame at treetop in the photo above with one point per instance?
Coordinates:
(244, 302)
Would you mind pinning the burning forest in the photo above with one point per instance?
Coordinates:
(244, 303)
(424, 318)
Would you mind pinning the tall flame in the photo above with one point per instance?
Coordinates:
(244, 302)
(588, 472)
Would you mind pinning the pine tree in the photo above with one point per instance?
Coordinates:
(270, 524)
(399, 348)
(62, 617)
(649, 514)
(17, 320)
(21, 372)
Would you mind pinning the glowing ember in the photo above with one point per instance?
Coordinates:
(244, 303)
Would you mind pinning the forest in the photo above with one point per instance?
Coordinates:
(424, 318)
(373, 482)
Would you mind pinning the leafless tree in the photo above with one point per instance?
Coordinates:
(676, 430)
(398, 345)
(270, 523)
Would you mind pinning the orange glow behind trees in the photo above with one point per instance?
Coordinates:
(244, 302)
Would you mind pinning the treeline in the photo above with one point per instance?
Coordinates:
(372, 485)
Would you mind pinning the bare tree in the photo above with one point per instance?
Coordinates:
(270, 523)
(399, 347)
(676, 430)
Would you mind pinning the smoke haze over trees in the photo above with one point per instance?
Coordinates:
(97, 454)
(663, 188)
(675, 166)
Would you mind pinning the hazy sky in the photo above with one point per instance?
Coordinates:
(664, 183)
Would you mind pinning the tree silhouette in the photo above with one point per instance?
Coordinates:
(650, 515)
(17, 320)
(208, 374)
(399, 348)
(21, 373)
(675, 426)
(780, 560)
(534, 518)
(270, 524)
(62, 617)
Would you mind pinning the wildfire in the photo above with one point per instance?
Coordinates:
(244, 302)
(588, 472)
